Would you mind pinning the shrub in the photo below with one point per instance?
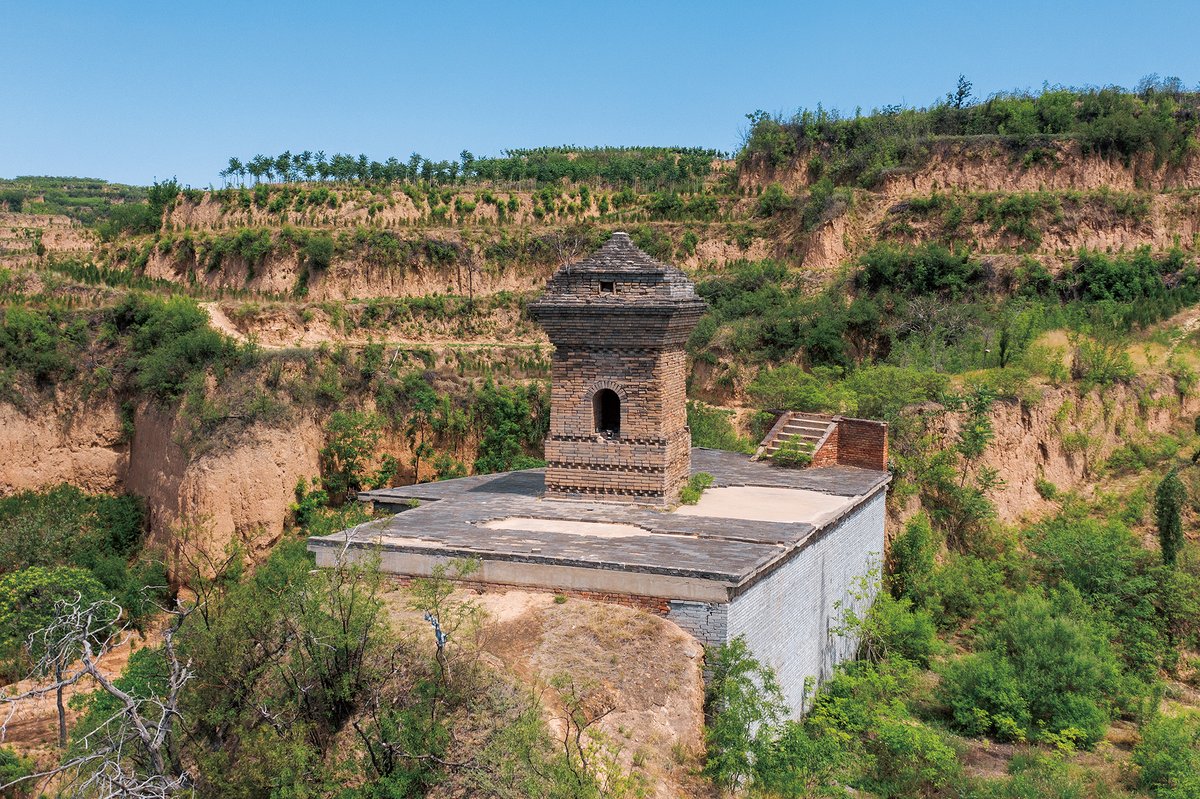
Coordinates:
(892, 628)
(101, 534)
(774, 200)
(318, 251)
(1168, 756)
(1169, 498)
(41, 343)
(712, 428)
(793, 388)
(911, 561)
(12, 768)
(744, 703)
(984, 697)
(799, 761)
(928, 268)
(1066, 671)
(1123, 584)
(695, 487)
(171, 341)
(793, 454)
(1101, 364)
(882, 391)
(28, 601)
(963, 587)
(911, 760)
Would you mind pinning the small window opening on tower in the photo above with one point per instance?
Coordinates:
(606, 406)
(608, 287)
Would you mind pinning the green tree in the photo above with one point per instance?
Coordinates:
(1168, 756)
(1168, 500)
(350, 444)
(745, 703)
(911, 561)
(28, 602)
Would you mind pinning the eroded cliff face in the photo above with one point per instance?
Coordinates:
(1065, 438)
(234, 493)
(992, 166)
(239, 491)
(63, 439)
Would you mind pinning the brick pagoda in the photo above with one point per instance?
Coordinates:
(618, 415)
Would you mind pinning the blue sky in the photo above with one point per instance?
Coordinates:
(132, 91)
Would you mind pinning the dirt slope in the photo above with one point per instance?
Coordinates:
(646, 667)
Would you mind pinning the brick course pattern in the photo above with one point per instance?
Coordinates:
(862, 443)
(789, 617)
(619, 320)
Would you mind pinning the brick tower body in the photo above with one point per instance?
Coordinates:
(618, 415)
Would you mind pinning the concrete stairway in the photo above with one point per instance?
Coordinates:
(810, 428)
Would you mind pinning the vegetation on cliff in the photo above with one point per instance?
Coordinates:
(1007, 657)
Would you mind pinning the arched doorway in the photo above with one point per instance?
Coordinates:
(606, 407)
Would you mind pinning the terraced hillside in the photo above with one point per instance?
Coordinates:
(1012, 284)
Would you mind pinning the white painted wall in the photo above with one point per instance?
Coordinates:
(787, 618)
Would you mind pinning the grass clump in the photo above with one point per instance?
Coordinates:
(691, 492)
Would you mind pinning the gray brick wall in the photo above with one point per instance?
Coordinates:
(788, 617)
(707, 622)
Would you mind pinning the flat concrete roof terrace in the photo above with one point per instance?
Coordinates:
(754, 516)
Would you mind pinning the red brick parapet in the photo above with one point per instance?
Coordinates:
(859, 442)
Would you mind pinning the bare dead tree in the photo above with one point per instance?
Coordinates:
(131, 753)
(572, 243)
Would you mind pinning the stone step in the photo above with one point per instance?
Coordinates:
(805, 427)
(779, 441)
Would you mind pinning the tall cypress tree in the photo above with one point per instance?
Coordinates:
(1168, 500)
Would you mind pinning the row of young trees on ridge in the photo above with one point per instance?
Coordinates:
(1159, 116)
(657, 167)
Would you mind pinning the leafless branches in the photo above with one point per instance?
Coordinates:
(131, 753)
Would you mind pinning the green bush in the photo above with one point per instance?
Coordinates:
(912, 560)
(44, 344)
(14, 767)
(793, 388)
(929, 268)
(774, 200)
(743, 702)
(894, 629)
(793, 454)
(985, 697)
(28, 600)
(101, 534)
(963, 587)
(1065, 668)
(1168, 757)
(1124, 585)
(712, 428)
(171, 342)
(911, 760)
(696, 484)
(318, 251)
